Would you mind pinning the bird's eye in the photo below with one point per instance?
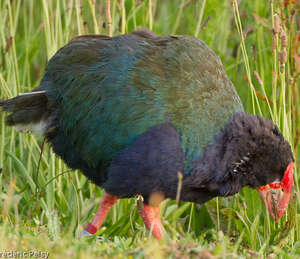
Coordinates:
(275, 130)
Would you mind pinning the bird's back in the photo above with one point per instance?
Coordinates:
(107, 91)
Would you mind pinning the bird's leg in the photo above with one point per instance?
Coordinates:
(107, 202)
(151, 218)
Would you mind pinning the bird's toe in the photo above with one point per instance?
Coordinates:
(85, 233)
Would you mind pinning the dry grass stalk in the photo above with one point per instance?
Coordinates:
(108, 16)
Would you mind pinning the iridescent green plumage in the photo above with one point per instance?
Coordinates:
(111, 90)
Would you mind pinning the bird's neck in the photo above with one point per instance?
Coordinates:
(219, 171)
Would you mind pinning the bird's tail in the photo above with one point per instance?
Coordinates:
(28, 111)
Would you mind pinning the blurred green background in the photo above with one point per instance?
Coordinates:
(44, 205)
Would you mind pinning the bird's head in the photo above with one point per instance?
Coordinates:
(260, 158)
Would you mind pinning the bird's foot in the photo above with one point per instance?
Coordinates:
(107, 202)
(85, 233)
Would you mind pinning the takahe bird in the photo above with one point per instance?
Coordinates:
(133, 111)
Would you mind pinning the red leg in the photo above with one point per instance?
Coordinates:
(151, 217)
(107, 202)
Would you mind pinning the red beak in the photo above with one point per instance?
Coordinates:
(276, 196)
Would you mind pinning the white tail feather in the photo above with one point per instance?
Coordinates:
(31, 93)
(37, 128)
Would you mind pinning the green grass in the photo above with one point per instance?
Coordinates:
(44, 207)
